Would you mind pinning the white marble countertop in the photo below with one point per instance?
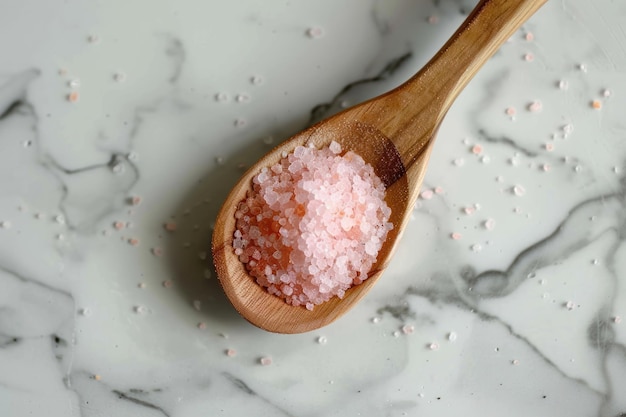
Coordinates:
(118, 117)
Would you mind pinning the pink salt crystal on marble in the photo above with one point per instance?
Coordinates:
(438, 190)
(510, 111)
(133, 241)
(455, 236)
(535, 106)
(426, 194)
(157, 252)
(477, 149)
(265, 360)
(170, 226)
(231, 353)
(312, 225)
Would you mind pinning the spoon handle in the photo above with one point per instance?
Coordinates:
(423, 101)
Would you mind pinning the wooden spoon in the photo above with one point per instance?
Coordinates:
(395, 134)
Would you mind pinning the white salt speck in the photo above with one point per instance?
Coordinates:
(133, 156)
(439, 190)
(221, 97)
(617, 319)
(545, 167)
(606, 93)
(59, 219)
(459, 162)
(485, 159)
(256, 80)
(141, 285)
(529, 57)
(582, 67)
(315, 32)
(322, 340)
(535, 106)
(375, 320)
(570, 305)
(408, 329)
(432, 19)
(476, 247)
(118, 169)
(595, 262)
(85, 311)
(396, 334)
(489, 224)
(513, 161)
(242, 98)
(563, 85)
(5, 224)
(518, 190)
(545, 295)
(74, 83)
(139, 309)
(500, 178)
(578, 168)
(60, 236)
(231, 353)
(549, 146)
(265, 361)
(542, 282)
(515, 362)
(119, 77)
(469, 210)
(197, 305)
(433, 346)
(452, 336)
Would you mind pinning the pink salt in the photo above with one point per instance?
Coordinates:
(313, 225)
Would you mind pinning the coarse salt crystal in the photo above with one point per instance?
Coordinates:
(535, 106)
(489, 224)
(408, 329)
(231, 353)
(426, 194)
(266, 360)
(455, 236)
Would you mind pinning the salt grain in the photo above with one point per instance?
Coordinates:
(201, 325)
(489, 224)
(518, 190)
(315, 32)
(5, 224)
(265, 361)
(455, 236)
(617, 319)
(433, 346)
(231, 353)
(167, 283)
(563, 85)
(157, 252)
(452, 336)
(535, 106)
(408, 329)
(322, 340)
(426, 194)
(170, 226)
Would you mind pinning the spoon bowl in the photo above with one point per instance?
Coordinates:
(394, 133)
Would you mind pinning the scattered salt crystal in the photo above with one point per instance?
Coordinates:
(170, 226)
(73, 97)
(433, 19)
(85, 311)
(119, 77)
(167, 283)
(256, 80)
(157, 252)
(433, 346)
(59, 219)
(617, 319)
(141, 285)
(133, 241)
(596, 104)
(510, 111)
(535, 106)
(529, 57)
(529, 37)
(582, 67)
(265, 360)
(455, 236)
(545, 167)
(485, 159)
(515, 362)
(408, 329)
(322, 340)
(201, 325)
(73, 83)
(242, 98)
(595, 262)
(606, 93)
(459, 162)
(476, 247)
(231, 353)
(452, 336)
(221, 97)
(499, 178)
(518, 190)
(563, 85)
(5, 224)
(139, 309)
(315, 32)
(396, 334)
(489, 224)
(549, 146)
(375, 320)
(570, 305)
(477, 149)
(60, 236)
(97, 377)
(469, 210)
(438, 190)
(578, 168)
(426, 194)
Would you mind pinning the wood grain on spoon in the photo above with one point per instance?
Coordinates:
(394, 133)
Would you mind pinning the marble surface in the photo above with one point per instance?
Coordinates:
(119, 117)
